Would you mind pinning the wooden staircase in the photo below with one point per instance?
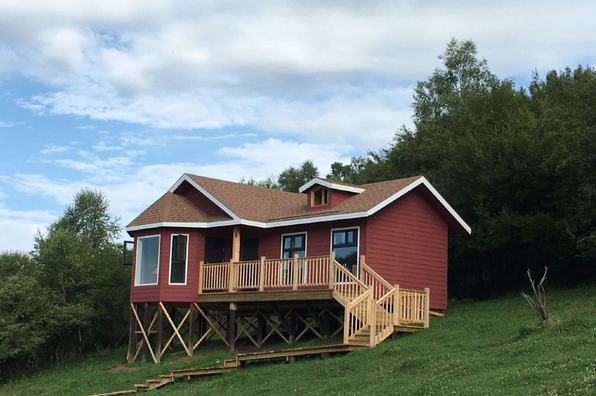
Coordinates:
(374, 309)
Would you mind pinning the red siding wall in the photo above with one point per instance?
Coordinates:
(336, 197)
(163, 291)
(407, 245)
(318, 239)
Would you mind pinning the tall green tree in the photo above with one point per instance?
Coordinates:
(517, 164)
(292, 178)
(80, 262)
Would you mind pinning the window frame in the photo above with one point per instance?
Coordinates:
(324, 197)
(301, 263)
(138, 261)
(305, 233)
(357, 245)
(186, 264)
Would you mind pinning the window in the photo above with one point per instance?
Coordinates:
(147, 262)
(178, 259)
(319, 196)
(294, 244)
(345, 245)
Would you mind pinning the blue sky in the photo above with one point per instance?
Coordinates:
(124, 97)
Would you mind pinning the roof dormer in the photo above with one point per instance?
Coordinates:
(326, 194)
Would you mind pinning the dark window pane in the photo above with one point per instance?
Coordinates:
(348, 256)
(178, 272)
(345, 246)
(339, 238)
(294, 244)
(178, 259)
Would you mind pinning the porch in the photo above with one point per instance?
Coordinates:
(368, 299)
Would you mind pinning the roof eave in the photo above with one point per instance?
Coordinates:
(328, 184)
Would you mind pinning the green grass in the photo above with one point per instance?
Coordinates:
(480, 348)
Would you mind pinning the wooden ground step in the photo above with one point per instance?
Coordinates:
(119, 393)
(234, 364)
(407, 329)
(269, 355)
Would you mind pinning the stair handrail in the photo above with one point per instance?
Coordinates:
(346, 286)
(358, 315)
(384, 315)
(372, 279)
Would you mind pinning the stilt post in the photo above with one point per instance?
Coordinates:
(132, 337)
(159, 334)
(231, 331)
(191, 328)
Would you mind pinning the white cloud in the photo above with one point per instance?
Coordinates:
(102, 146)
(53, 149)
(313, 70)
(4, 124)
(17, 228)
(273, 155)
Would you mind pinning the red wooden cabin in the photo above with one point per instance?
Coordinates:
(229, 252)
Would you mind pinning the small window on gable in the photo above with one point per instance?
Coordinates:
(319, 196)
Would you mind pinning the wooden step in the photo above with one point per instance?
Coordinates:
(359, 343)
(407, 329)
(118, 393)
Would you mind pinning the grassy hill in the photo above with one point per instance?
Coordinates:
(480, 348)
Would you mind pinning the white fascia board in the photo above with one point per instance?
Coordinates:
(206, 193)
(436, 194)
(310, 220)
(328, 184)
(251, 223)
(181, 224)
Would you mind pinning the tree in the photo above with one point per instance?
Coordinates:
(517, 164)
(269, 182)
(292, 178)
(79, 261)
(349, 173)
(88, 216)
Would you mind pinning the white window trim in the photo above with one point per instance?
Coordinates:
(281, 255)
(185, 267)
(137, 261)
(357, 245)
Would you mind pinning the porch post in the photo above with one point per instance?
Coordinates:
(201, 276)
(236, 244)
(331, 269)
(426, 307)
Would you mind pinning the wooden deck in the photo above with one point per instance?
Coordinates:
(285, 299)
(266, 296)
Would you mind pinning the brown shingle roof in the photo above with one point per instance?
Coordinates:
(174, 208)
(261, 204)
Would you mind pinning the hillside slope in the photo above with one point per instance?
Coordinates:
(480, 348)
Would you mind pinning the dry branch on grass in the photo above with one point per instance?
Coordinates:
(537, 303)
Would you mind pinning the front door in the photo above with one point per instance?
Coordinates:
(215, 250)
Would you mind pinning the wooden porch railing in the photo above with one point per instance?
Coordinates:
(372, 305)
(414, 307)
(292, 273)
